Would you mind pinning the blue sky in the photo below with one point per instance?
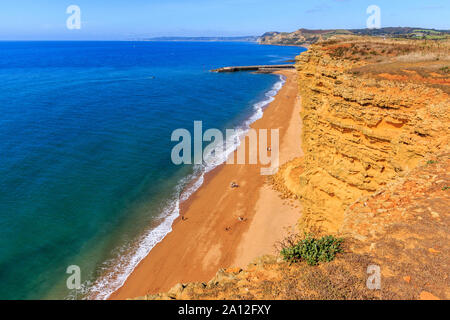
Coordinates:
(130, 19)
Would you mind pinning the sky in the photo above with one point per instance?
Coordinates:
(135, 19)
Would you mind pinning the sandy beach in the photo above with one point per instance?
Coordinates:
(224, 227)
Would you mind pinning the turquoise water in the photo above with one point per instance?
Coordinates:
(85, 171)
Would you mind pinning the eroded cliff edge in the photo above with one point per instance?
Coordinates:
(376, 130)
(370, 116)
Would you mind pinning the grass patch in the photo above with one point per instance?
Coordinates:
(445, 69)
(313, 250)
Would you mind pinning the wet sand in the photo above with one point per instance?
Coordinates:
(226, 226)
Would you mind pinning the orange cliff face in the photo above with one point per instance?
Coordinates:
(363, 128)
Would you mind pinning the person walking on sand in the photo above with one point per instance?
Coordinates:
(234, 185)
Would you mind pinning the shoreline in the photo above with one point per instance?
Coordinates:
(212, 214)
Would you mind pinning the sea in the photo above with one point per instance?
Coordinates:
(87, 183)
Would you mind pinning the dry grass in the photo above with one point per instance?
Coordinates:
(377, 49)
(421, 56)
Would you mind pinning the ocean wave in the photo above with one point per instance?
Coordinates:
(233, 142)
(129, 258)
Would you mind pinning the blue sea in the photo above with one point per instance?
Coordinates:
(86, 176)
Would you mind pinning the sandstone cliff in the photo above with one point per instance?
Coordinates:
(362, 129)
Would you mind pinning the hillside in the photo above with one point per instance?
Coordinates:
(307, 37)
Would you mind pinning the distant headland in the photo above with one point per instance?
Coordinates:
(202, 39)
(305, 37)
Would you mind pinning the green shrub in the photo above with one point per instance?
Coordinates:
(313, 250)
